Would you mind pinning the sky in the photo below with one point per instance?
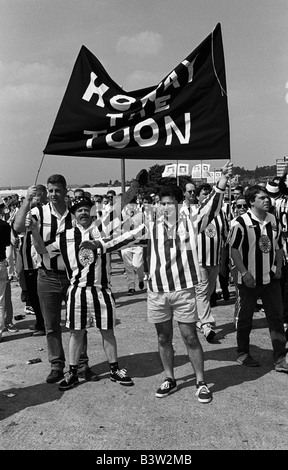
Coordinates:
(138, 42)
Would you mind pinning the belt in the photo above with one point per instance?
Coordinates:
(54, 271)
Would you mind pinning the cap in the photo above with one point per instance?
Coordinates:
(79, 202)
(272, 188)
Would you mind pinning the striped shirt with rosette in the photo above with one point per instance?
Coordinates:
(212, 239)
(257, 243)
(171, 252)
(91, 281)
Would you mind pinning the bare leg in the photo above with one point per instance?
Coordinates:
(194, 348)
(109, 345)
(75, 346)
(165, 336)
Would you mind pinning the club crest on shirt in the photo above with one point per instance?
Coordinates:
(86, 256)
(265, 244)
(210, 231)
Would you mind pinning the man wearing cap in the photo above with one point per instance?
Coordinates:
(89, 296)
(52, 281)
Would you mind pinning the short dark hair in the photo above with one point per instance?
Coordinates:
(79, 190)
(171, 190)
(57, 179)
(203, 186)
(252, 192)
(42, 188)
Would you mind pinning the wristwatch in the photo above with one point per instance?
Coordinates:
(243, 274)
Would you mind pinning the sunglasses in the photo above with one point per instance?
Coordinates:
(191, 192)
(241, 205)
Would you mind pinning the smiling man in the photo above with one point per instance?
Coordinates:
(257, 252)
(89, 297)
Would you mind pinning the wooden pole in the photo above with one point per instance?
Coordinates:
(123, 178)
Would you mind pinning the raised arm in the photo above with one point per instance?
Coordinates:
(20, 217)
(31, 224)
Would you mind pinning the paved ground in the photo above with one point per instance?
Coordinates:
(249, 410)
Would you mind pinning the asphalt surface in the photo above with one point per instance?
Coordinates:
(249, 410)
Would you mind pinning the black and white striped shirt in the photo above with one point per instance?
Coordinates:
(281, 210)
(84, 268)
(50, 223)
(172, 251)
(27, 251)
(257, 243)
(212, 239)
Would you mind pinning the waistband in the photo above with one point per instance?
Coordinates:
(54, 271)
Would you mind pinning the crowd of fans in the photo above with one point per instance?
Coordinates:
(227, 252)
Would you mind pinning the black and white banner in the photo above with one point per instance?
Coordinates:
(185, 116)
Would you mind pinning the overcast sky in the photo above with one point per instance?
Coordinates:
(138, 42)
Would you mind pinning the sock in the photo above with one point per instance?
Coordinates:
(113, 366)
(73, 369)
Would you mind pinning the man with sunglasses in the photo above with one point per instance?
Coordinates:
(210, 244)
(190, 195)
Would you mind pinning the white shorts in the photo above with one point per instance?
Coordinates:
(180, 305)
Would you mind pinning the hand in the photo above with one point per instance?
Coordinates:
(142, 177)
(249, 280)
(278, 273)
(30, 222)
(31, 193)
(227, 169)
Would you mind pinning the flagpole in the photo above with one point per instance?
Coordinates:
(39, 168)
(123, 179)
(177, 176)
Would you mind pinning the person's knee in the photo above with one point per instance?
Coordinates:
(191, 340)
(164, 339)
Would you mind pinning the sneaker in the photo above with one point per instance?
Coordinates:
(141, 285)
(121, 377)
(54, 376)
(88, 375)
(131, 292)
(12, 328)
(282, 366)
(169, 386)
(69, 381)
(29, 310)
(19, 317)
(203, 393)
(208, 332)
(247, 360)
